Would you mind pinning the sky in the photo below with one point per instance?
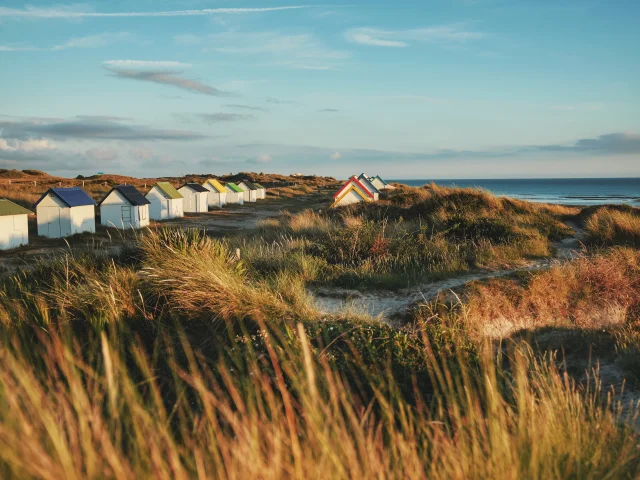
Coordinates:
(424, 89)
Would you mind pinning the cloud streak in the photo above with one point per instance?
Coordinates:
(211, 118)
(375, 37)
(66, 12)
(90, 41)
(301, 51)
(247, 107)
(89, 128)
(161, 73)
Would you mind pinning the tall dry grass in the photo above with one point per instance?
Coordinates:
(199, 275)
(290, 414)
(589, 293)
(608, 226)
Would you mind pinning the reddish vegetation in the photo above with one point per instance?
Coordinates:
(588, 293)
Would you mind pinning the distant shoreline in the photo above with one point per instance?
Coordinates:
(563, 191)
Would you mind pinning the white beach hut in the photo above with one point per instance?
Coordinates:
(165, 202)
(353, 191)
(250, 191)
(217, 196)
(369, 186)
(195, 197)
(380, 184)
(124, 207)
(234, 194)
(262, 192)
(14, 225)
(63, 212)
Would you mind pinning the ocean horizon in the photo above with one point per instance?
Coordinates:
(567, 191)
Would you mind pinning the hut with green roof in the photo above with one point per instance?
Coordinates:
(234, 193)
(14, 225)
(166, 202)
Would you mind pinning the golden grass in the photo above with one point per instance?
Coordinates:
(609, 226)
(202, 276)
(587, 293)
(92, 419)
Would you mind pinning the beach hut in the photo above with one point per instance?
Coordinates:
(165, 202)
(196, 198)
(234, 193)
(124, 207)
(217, 196)
(380, 184)
(262, 192)
(63, 212)
(14, 226)
(364, 180)
(250, 191)
(353, 191)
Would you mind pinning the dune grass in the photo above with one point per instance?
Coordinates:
(186, 356)
(588, 293)
(614, 226)
(417, 235)
(289, 413)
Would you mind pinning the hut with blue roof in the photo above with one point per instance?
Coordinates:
(63, 212)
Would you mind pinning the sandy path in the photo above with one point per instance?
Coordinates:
(389, 305)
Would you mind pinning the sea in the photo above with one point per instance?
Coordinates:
(568, 191)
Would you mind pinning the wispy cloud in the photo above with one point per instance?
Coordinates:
(211, 118)
(163, 73)
(88, 128)
(247, 107)
(261, 159)
(611, 143)
(71, 12)
(278, 101)
(404, 38)
(292, 50)
(91, 41)
(329, 110)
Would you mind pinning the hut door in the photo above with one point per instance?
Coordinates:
(126, 216)
(51, 218)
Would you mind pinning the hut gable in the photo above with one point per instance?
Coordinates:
(70, 197)
(352, 192)
(380, 183)
(217, 196)
(234, 194)
(196, 187)
(250, 191)
(195, 198)
(166, 202)
(127, 193)
(124, 207)
(369, 186)
(168, 190)
(7, 208)
(214, 184)
(14, 225)
(232, 187)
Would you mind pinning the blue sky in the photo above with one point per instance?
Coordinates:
(404, 89)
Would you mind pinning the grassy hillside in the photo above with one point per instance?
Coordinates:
(180, 358)
(26, 186)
